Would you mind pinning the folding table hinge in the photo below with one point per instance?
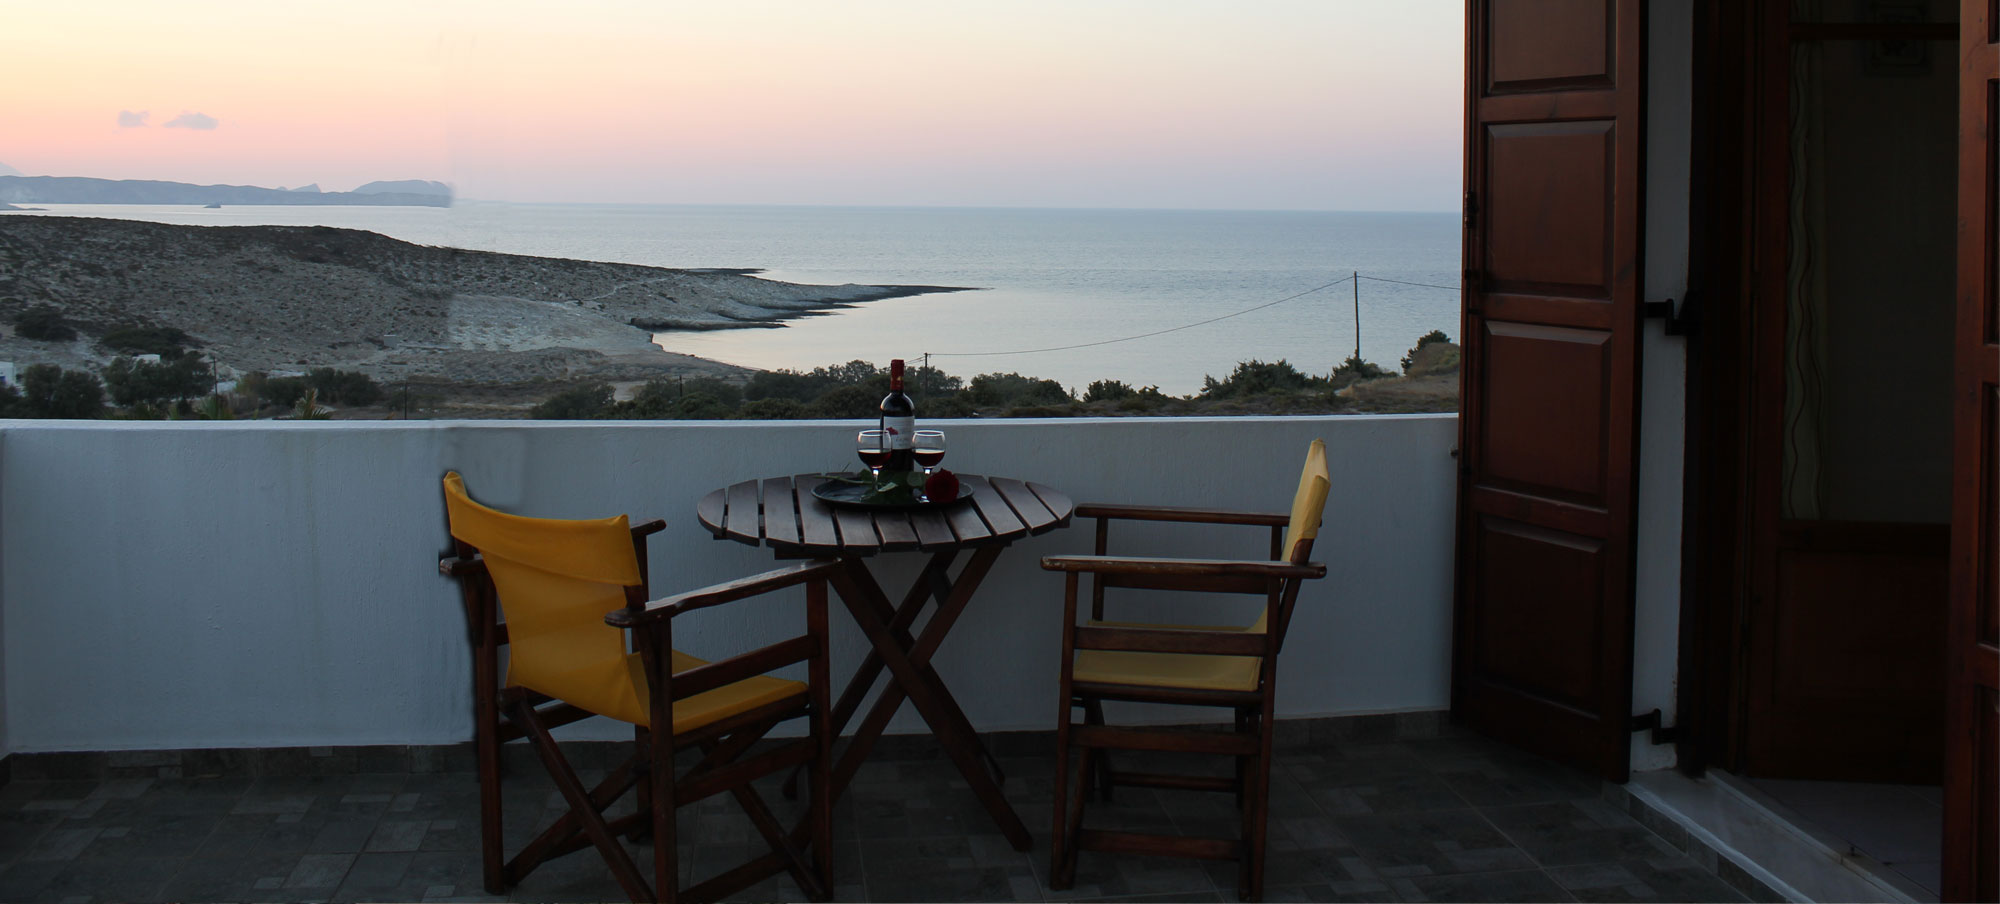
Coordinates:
(1662, 734)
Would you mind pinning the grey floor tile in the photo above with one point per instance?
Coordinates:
(1434, 842)
(1676, 879)
(1577, 832)
(1520, 885)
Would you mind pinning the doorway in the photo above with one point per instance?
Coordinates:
(1833, 638)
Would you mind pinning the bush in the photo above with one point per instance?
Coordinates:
(344, 387)
(849, 402)
(49, 391)
(147, 340)
(1354, 368)
(1108, 391)
(688, 400)
(43, 323)
(1425, 339)
(1253, 378)
(591, 400)
(1012, 390)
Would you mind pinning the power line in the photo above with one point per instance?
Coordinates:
(1406, 283)
(1064, 348)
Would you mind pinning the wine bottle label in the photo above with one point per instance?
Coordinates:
(902, 431)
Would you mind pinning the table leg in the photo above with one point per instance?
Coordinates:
(909, 664)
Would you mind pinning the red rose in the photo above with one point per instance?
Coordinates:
(942, 486)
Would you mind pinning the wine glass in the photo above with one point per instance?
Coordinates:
(928, 449)
(872, 446)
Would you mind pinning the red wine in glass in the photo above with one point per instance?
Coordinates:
(928, 448)
(874, 458)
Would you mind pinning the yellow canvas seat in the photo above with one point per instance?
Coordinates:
(563, 597)
(1203, 665)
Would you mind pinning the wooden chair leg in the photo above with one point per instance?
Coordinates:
(1093, 714)
(493, 856)
(642, 829)
(664, 808)
(1059, 840)
(1256, 815)
(581, 805)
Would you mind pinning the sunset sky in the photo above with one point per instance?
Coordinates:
(1269, 104)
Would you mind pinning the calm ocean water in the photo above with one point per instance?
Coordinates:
(1049, 278)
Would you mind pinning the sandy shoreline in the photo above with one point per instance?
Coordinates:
(281, 298)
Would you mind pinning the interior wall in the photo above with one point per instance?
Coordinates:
(1663, 376)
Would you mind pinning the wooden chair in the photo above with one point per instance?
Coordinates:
(566, 589)
(1143, 662)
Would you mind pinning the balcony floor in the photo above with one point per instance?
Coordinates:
(1454, 818)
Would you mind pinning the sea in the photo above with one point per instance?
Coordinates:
(1159, 298)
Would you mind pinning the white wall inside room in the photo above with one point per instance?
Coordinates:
(189, 585)
(1663, 376)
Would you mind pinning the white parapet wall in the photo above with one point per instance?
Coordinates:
(198, 585)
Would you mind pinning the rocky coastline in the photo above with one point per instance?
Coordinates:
(283, 298)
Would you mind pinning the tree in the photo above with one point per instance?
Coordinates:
(344, 387)
(44, 323)
(1254, 378)
(51, 392)
(175, 377)
(1014, 390)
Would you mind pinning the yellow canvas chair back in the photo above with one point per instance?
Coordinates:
(556, 580)
(1308, 509)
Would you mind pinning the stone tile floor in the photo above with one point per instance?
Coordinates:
(1454, 818)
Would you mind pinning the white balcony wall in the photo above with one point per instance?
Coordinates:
(187, 585)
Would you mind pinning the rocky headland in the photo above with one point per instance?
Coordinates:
(285, 298)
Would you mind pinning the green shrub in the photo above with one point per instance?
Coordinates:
(1253, 378)
(44, 323)
(591, 400)
(1425, 339)
(1013, 391)
(344, 387)
(849, 402)
(1355, 368)
(135, 339)
(1108, 391)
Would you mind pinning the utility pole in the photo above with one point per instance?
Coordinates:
(1357, 318)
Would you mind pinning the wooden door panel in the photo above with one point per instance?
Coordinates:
(1543, 627)
(1972, 791)
(1544, 390)
(1852, 687)
(1549, 222)
(1539, 45)
(1542, 589)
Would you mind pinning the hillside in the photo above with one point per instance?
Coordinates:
(292, 298)
(85, 190)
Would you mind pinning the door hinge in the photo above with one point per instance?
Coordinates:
(1471, 208)
(1662, 734)
(1681, 319)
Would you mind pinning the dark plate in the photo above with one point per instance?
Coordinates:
(849, 495)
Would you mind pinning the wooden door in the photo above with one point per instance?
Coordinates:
(1543, 631)
(1972, 764)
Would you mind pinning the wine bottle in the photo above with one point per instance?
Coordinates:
(899, 421)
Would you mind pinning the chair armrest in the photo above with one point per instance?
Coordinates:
(1188, 567)
(454, 567)
(726, 592)
(1177, 513)
(645, 528)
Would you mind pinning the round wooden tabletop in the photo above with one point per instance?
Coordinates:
(783, 513)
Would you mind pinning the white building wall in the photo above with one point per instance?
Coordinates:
(1663, 376)
(176, 585)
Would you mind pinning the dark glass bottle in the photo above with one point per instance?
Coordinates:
(899, 421)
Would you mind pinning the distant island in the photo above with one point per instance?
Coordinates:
(86, 190)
